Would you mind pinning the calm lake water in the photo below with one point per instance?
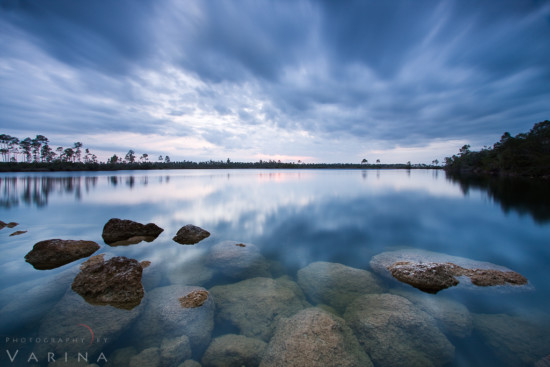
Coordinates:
(295, 223)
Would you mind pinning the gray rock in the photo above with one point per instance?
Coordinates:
(453, 318)
(256, 305)
(190, 363)
(175, 351)
(396, 333)
(335, 284)
(164, 316)
(117, 230)
(73, 317)
(115, 282)
(190, 234)
(149, 357)
(432, 271)
(121, 357)
(232, 350)
(238, 260)
(314, 337)
(515, 341)
(51, 254)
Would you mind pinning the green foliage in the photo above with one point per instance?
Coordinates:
(526, 154)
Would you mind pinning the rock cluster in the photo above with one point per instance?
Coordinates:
(115, 282)
(50, 254)
(190, 234)
(232, 350)
(122, 232)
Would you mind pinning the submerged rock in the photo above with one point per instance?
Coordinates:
(190, 234)
(335, 284)
(394, 332)
(432, 272)
(194, 299)
(256, 305)
(515, 341)
(165, 316)
(314, 337)
(115, 282)
(237, 260)
(124, 232)
(51, 254)
(149, 357)
(174, 351)
(73, 317)
(232, 350)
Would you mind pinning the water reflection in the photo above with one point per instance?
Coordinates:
(525, 196)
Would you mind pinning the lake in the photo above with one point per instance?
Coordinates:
(307, 239)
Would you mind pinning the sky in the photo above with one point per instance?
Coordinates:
(315, 81)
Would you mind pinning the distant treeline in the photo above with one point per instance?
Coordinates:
(526, 154)
(94, 166)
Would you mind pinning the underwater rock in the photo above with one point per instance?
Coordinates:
(73, 317)
(174, 351)
(121, 357)
(149, 357)
(256, 305)
(190, 234)
(116, 231)
(194, 299)
(431, 272)
(51, 254)
(190, 363)
(232, 350)
(238, 260)
(335, 284)
(164, 316)
(394, 332)
(71, 362)
(115, 282)
(515, 341)
(17, 233)
(313, 337)
(453, 318)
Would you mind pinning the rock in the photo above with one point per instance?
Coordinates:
(115, 282)
(453, 318)
(394, 332)
(17, 233)
(174, 351)
(149, 357)
(335, 284)
(72, 362)
(431, 272)
(543, 362)
(9, 225)
(121, 357)
(54, 253)
(145, 264)
(256, 305)
(117, 230)
(190, 363)
(232, 350)
(73, 317)
(194, 299)
(314, 337)
(190, 234)
(238, 260)
(165, 316)
(515, 341)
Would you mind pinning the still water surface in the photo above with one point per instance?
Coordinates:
(293, 218)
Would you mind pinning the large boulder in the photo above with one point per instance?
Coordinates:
(514, 340)
(255, 305)
(314, 337)
(190, 234)
(115, 282)
(166, 316)
(432, 272)
(396, 333)
(232, 350)
(123, 232)
(237, 260)
(335, 284)
(50, 254)
(93, 327)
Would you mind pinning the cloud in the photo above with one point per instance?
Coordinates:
(319, 79)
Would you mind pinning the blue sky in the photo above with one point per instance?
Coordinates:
(317, 81)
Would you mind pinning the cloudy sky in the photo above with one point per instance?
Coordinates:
(317, 81)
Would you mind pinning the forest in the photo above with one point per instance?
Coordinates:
(526, 154)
